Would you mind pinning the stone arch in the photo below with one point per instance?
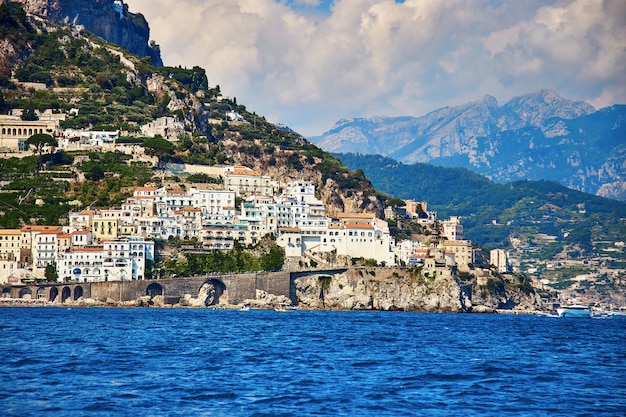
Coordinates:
(26, 293)
(6, 293)
(42, 293)
(78, 292)
(54, 293)
(154, 289)
(211, 291)
(65, 294)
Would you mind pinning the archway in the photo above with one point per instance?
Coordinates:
(41, 293)
(211, 291)
(65, 294)
(154, 289)
(6, 293)
(26, 293)
(54, 293)
(78, 292)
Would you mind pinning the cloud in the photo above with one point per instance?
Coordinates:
(306, 64)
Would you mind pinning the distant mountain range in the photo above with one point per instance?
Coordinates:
(538, 136)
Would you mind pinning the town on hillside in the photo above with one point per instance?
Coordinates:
(122, 243)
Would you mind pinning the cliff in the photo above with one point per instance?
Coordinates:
(381, 289)
(109, 19)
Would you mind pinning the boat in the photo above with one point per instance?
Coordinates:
(284, 307)
(244, 308)
(574, 310)
(281, 308)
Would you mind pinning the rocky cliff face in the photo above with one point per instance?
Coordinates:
(380, 289)
(535, 136)
(109, 19)
(400, 289)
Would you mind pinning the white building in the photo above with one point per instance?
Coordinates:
(245, 181)
(166, 127)
(452, 228)
(212, 202)
(499, 259)
(118, 260)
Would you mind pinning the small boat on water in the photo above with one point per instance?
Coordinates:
(284, 307)
(574, 310)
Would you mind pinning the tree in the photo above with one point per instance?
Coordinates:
(39, 141)
(159, 147)
(51, 272)
(395, 202)
(29, 112)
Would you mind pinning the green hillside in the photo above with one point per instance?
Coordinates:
(492, 213)
(102, 87)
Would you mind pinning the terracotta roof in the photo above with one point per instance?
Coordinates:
(355, 215)
(10, 232)
(40, 228)
(146, 189)
(244, 172)
(289, 229)
(359, 226)
(98, 249)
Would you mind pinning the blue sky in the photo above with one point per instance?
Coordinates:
(309, 63)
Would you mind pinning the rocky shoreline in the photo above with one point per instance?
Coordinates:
(360, 289)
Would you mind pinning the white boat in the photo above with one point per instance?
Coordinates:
(574, 310)
(284, 307)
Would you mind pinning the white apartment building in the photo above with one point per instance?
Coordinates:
(245, 181)
(167, 201)
(213, 202)
(116, 260)
(452, 228)
(499, 259)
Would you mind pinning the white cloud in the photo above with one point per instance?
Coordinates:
(381, 57)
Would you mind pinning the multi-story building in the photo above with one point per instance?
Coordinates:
(29, 233)
(14, 132)
(463, 253)
(499, 259)
(10, 244)
(115, 260)
(213, 201)
(245, 181)
(452, 228)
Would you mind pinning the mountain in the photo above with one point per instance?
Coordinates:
(108, 19)
(95, 85)
(535, 136)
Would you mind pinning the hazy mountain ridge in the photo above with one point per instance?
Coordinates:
(535, 136)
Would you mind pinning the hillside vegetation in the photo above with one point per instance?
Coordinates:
(494, 213)
(102, 87)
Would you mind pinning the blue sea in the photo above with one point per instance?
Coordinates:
(202, 362)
